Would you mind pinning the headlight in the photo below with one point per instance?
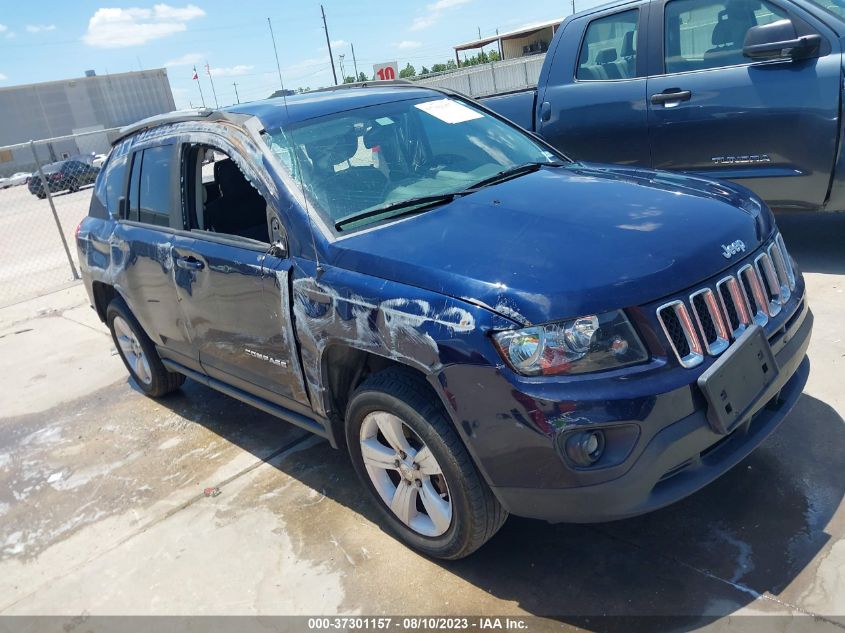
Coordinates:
(588, 343)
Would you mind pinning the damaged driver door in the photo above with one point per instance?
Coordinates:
(233, 284)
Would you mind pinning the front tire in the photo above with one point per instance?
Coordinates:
(408, 455)
(138, 352)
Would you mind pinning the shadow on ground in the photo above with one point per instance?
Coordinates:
(751, 531)
(815, 240)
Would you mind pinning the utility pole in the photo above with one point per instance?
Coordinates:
(573, 7)
(237, 98)
(479, 32)
(213, 91)
(354, 61)
(329, 42)
(278, 67)
(342, 71)
(499, 41)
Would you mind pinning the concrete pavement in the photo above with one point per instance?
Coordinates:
(102, 508)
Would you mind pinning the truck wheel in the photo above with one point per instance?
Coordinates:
(139, 353)
(411, 460)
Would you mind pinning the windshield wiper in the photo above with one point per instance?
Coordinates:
(510, 172)
(411, 205)
(422, 203)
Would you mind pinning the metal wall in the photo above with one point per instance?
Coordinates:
(60, 108)
(488, 79)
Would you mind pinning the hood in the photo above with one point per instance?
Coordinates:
(566, 241)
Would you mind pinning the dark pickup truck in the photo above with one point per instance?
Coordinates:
(745, 90)
(486, 326)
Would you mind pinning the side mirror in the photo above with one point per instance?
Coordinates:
(780, 40)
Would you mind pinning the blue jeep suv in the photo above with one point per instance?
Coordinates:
(486, 326)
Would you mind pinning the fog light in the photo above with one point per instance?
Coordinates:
(585, 448)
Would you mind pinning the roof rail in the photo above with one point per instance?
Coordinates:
(376, 83)
(176, 116)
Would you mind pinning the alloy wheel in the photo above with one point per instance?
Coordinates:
(130, 348)
(405, 474)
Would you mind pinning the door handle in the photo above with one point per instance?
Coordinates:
(673, 94)
(189, 263)
(545, 111)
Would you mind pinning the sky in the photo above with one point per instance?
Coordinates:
(232, 36)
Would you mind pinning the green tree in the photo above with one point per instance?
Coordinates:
(362, 77)
(424, 70)
(408, 72)
(349, 79)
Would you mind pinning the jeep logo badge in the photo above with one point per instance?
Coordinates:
(729, 250)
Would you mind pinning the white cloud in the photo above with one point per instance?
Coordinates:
(424, 21)
(406, 45)
(232, 71)
(446, 4)
(38, 28)
(188, 59)
(3, 77)
(119, 28)
(434, 12)
(3, 28)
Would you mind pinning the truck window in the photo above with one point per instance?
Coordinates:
(609, 49)
(710, 34)
(149, 187)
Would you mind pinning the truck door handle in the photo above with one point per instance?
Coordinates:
(189, 263)
(545, 111)
(668, 96)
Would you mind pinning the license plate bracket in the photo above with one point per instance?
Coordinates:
(734, 384)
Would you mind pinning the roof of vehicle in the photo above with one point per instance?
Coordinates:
(280, 111)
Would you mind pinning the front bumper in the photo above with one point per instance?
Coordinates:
(682, 457)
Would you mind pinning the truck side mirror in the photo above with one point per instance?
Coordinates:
(780, 40)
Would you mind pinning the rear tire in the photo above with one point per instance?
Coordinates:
(449, 510)
(138, 352)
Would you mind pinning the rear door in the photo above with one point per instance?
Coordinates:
(770, 125)
(593, 104)
(233, 289)
(141, 250)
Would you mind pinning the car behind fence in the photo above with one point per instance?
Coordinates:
(39, 213)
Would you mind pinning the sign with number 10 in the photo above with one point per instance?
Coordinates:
(385, 71)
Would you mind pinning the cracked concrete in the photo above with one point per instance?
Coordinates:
(102, 508)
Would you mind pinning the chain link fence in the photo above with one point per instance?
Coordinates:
(45, 190)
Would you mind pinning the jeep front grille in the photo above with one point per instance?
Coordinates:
(755, 294)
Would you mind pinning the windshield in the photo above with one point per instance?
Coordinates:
(380, 156)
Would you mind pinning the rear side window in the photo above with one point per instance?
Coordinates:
(149, 186)
(609, 49)
(111, 181)
(700, 35)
